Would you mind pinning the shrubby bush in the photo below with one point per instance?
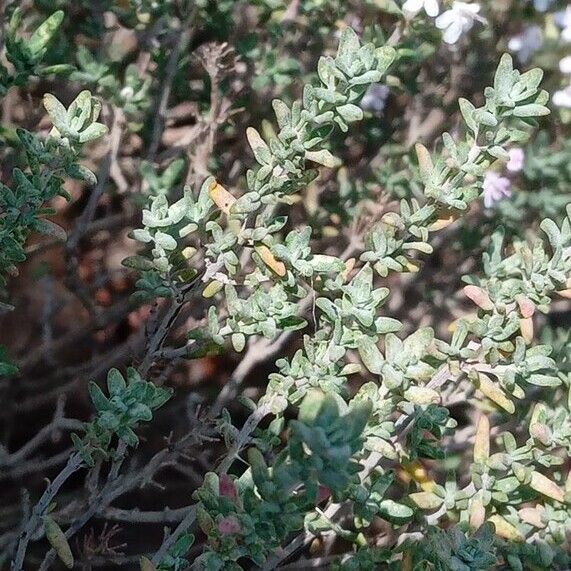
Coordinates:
(353, 218)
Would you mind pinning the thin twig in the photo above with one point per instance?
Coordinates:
(73, 465)
(88, 213)
(185, 35)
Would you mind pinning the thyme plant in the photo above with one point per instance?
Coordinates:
(374, 437)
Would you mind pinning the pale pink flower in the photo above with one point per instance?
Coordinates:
(515, 162)
(227, 487)
(496, 188)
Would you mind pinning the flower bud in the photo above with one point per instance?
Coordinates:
(229, 525)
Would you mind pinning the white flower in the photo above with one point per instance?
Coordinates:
(563, 20)
(375, 98)
(515, 163)
(496, 188)
(526, 43)
(458, 20)
(542, 5)
(415, 6)
(127, 92)
(562, 98)
(565, 65)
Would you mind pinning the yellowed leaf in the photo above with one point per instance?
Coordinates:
(545, 486)
(477, 514)
(146, 564)
(532, 516)
(526, 327)
(494, 393)
(421, 395)
(417, 472)
(505, 529)
(58, 541)
(426, 500)
(479, 296)
(188, 252)
(482, 440)
(212, 289)
(221, 197)
(349, 265)
(412, 267)
(445, 218)
(424, 162)
(269, 259)
(316, 545)
(330, 232)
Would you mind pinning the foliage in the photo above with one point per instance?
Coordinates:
(48, 162)
(441, 419)
(251, 516)
(130, 402)
(26, 54)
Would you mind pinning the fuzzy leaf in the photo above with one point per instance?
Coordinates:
(323, 157)
(424, 163)
(44, 33)
(371, 355)
(259, 147)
